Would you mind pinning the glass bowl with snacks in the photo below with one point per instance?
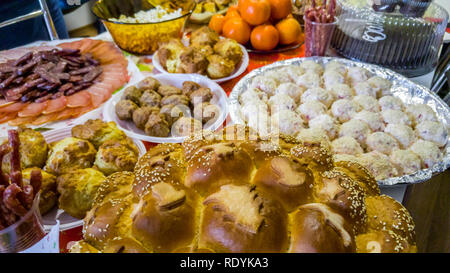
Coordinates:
(139, 26)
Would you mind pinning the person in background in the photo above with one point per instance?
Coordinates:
(30, 30)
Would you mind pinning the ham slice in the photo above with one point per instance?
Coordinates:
(55, 105)
(13, 108)
(79, 99)
(33, 109)
(45, 119)
(21, 121)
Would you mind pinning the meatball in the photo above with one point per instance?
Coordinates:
(175, 100)
(192, 61)
(390, 103)
(357, 74)
(405, 161)
(219, 67)
(186, 126)
(150, 98)
(381, 142)
(173, 112)
(149, 83)
(312, 66)
(378, 164)
(189, 87)
(428, 152)
(326, 123)
(374, 120)
(381, 85)
(356, 129)
(200, 95)
(396, 117)
(309, 80)
(206, 112)
(280, 102)
(402, 133)
(68, 154)
(157, 125)
(344, 109)
(341, 91)
(116, 156)
(132, 93)
(265, 84)
(48, 197)
(97, 131)
(346, 145)
(33, 150)
(287, 122)
(168, 90)
(432, 131)
(331, 78)
(364, 88)
(77, 190)
(367, 103)
(421, 112)
(125, 109)
(318, 94)
(140, 116)
(204, 36)
(311, 109)
(230, 49)
(290, 89)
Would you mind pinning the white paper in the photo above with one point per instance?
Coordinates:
(48, 244)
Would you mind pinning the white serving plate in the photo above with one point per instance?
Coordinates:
(66, 221)
(240, 68)
(220, 99)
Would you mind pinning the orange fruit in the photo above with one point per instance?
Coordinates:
(232, 14)
(233, 8)
(264, 37)
(216, 23)
(280, 8)
(290, 31)
(254, 12)
(237, 29)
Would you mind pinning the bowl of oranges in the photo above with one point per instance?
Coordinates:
(262, 26)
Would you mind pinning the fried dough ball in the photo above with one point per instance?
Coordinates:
(206, 112)
(200, 95)
(140, 115)
(364, 88)
(367, 103)
(344, 109)
(356, 129)
(192, 62)
(230, 49)
(157, 125)
(33, 150)
(428, 152)
(374, 120)
(287, 122)
(421, 112)
(173, 112)
(185, 126)
(432, 131)
(346, 145)
(318, 94)
(116, 156)
(290, 89)
(265, 84)
(149, 83)
(390, 102)
(69, 154)
(312, 66)
(48, 197)
(402, 133)
(341, 91)
(97, 131)
(396, 117)
(280, 102)
(219, 67)
(405, 161)
(132, 93)
(168, 90)
(150, 98)
(252, 94)
(311, 110)
(77, 190)
(189, 87)
(125, 109)
(326, 123)
(205, 50)
(381, 142)
(169, 51)
(336, 66)
(204, 36)
(331, 78)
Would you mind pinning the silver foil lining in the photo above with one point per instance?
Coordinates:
(403, 88)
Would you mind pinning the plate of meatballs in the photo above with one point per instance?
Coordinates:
(168, 107)
(373, 116)
(206, 53)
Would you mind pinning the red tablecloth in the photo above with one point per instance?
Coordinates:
(256, 61)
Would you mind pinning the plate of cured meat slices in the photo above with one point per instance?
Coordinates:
(49, 83)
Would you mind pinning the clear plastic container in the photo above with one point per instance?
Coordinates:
(400, 36)
(317, 37)
(25, 233)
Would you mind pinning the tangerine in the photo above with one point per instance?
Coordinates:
(264, 37)
(254, 12)
(237, 29)
(216, 23)
(280, 8)
(290, 31)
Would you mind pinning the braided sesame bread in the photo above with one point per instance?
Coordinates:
(234, 191)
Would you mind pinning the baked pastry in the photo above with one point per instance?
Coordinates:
(116, 156)
(97, 131)
(209, 194)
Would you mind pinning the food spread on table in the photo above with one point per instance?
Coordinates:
(301, 173)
